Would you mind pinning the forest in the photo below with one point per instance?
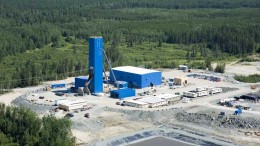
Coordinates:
(47, 39)
(21, 126)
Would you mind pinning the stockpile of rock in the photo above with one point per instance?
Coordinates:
(39, 109)
(218, 121)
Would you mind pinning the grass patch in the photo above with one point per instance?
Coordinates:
(248, 79)
(249, 59)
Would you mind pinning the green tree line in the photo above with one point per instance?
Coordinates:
(20, 126)
(46, 39)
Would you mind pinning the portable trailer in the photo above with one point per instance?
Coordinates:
(202, 93)
(199, 89)
(190, 94)
(215, 90)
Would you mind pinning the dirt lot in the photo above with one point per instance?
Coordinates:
(244, 68)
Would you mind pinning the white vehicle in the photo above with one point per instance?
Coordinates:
(227, 100)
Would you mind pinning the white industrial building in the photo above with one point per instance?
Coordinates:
(169, 97)
(73, 105)
(136, 103)
(154, 101)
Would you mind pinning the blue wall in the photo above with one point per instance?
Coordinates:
(122, 93)
(80, 81)
(155, 78)
(132, 79)
(137, 80)
(96, 62)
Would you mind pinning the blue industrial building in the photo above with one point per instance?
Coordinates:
(122, 93)
(80, 81)
(136, 77)
(96, 64)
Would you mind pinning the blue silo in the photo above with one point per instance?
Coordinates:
(96, 64)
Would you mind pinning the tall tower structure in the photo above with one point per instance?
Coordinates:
(95, 81)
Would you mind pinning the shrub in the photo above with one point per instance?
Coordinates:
(220, 68)
(248, 79)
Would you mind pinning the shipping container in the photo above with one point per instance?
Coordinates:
(183, 67)
(53, 86)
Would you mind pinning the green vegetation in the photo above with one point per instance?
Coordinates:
(249, 59)
(255, 78)
(47, 39)
(20, 126)
(220, 68)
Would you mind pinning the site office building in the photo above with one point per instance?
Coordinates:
(136, 77)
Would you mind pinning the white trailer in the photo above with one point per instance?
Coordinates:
(209, 88)
(215, 90)
(190, 94)
(202, 93)
(199, 89)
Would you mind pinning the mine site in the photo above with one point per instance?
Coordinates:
(134, 106)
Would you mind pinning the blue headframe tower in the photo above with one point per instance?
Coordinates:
(95, 81)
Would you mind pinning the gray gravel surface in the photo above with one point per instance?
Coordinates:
(227, 89)
(164, 117)
(88, 125)
(39, 109)
(232, 122)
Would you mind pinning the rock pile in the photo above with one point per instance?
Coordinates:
(233, 122)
